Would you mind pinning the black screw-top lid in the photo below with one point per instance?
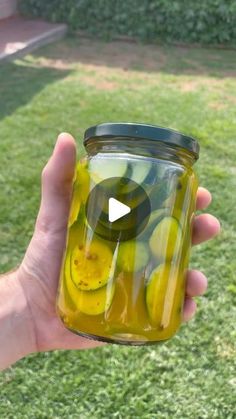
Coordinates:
(142, 131)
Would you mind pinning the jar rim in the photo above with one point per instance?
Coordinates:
(142, 131)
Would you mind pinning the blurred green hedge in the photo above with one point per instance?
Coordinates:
(201, 21)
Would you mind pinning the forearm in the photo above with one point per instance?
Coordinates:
(16, 327)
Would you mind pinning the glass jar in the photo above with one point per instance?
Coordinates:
(129, 234)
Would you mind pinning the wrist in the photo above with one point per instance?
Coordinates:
(16, 324)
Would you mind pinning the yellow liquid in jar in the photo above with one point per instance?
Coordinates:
(116, 294)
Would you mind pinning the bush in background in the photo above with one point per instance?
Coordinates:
(201, 21)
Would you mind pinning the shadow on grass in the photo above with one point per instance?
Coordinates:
(140, 57)
(19, 83)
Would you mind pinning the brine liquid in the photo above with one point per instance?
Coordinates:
(128, 291)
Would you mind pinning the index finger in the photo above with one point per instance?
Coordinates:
(203, 198)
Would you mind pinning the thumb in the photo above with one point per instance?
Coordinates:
(57, 179)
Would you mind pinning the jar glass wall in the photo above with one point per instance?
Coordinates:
(129, 237)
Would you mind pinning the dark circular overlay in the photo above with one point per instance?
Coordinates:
(129, 193)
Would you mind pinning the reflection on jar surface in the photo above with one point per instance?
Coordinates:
(124, 281)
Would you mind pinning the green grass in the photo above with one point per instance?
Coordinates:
(70, 86)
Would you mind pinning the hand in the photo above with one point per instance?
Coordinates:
(39, 271)
(205, 227)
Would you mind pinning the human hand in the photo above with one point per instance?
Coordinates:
(38, 273)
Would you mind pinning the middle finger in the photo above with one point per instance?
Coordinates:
(196, 283)
(205, 226)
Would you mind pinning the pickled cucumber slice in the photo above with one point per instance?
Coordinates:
(155, 217)
(82, 180)
(64, 302)
(69, 286)
(140, 171)
(101, 169)
(80, 192)
(91, 265)
(88, 302)
(160, 294)
(67, 267)
(133, 198)
(132, 256)
(160, 192)
(78, 232)
(95, 302)
(165, 240)
(74, 209)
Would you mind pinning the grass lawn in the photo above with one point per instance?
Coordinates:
(69, 86)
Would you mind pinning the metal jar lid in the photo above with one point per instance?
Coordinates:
(142, 131)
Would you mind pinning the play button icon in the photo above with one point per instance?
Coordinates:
(117, 210)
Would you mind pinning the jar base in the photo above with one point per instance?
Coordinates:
(120, 338)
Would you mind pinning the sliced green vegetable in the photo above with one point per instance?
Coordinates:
(132, 256)
(75, 207)
(160, 294)
(88, 302)
(80, 191)
(155, 217)
(95, 302)
(65, 281)
(140, 171)
(166, 238)
(91, 265)
(159, 193)
(101, 169)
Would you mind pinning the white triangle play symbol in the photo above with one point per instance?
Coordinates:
(117, 209)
